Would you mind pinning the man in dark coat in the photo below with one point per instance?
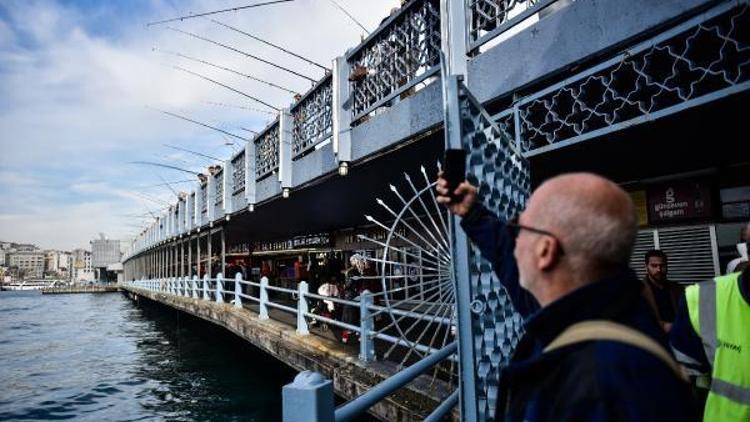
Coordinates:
(563, 262)
(661, 294)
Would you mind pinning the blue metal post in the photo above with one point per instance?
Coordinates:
(309, 398)
(263, 312)
(460, 251)
(186, 285)
(366, 326)
(205, 287)
(219, 288)
(237, 290)
(195, 287)
(302, 290)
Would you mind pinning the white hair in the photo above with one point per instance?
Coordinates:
(594, 234)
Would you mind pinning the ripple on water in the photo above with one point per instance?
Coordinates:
(105, 358)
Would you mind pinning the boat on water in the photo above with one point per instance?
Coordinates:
(28, 285)
(23, 286)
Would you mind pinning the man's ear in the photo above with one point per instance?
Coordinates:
(548, 253)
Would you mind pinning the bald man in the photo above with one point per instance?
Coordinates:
(564, 262)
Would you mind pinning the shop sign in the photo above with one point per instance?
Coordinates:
(641, 207)
(375, 234)
(298, 242)
(242, 248)
(681, 200)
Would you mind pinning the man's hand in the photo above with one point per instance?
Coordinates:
(465, 193)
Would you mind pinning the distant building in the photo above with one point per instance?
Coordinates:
(22, 247)
(26, 264)
(57, 263)
(81, 269)
(104, 252)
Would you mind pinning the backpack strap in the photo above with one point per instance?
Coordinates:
(611, 331)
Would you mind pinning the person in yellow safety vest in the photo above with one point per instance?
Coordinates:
(711, 334)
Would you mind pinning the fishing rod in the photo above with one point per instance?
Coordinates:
(271, 84)
(232, 144)
(341, 8)
(150, 198)
(291, 53)
(227, 87)
(169, 185)
(175, 159)
(193, 152)
(166, 166)
(174, 182)
(213, 103)
(199, 123)
(250, 130)
(232, 9)
(286, 69)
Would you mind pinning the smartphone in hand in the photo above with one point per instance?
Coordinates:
(454, 171)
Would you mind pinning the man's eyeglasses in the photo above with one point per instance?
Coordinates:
(514, 229)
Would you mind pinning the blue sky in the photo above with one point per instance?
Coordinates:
(75, 80)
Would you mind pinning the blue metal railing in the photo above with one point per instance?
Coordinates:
(296, 302)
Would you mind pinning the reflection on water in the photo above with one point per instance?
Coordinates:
(102, 357)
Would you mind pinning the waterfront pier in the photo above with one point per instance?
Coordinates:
(78, 289)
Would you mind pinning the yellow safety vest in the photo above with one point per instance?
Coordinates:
(721, 317)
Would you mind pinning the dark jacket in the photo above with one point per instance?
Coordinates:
(663, 299)
(596, 380)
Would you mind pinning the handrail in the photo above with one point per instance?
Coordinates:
(375, 394)
(210, 289)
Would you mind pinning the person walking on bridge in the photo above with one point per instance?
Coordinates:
(592, 348)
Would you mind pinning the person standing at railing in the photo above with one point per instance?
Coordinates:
(350, 314)
(592, 348)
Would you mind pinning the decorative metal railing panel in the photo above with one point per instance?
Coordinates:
(701, 60)
(238, 173)
(219, 191)
(414, 272)
(267, 151)
(191, 209)
(313, 118)
(204, 198)
(401, 53)
(502, 175)
(490, 18)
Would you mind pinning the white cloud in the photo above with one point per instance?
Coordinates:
(75, 85)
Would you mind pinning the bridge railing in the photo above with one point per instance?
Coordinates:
(301, 304)
(297, 302)
(312, 118)
(402, 52)
(488, 19)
